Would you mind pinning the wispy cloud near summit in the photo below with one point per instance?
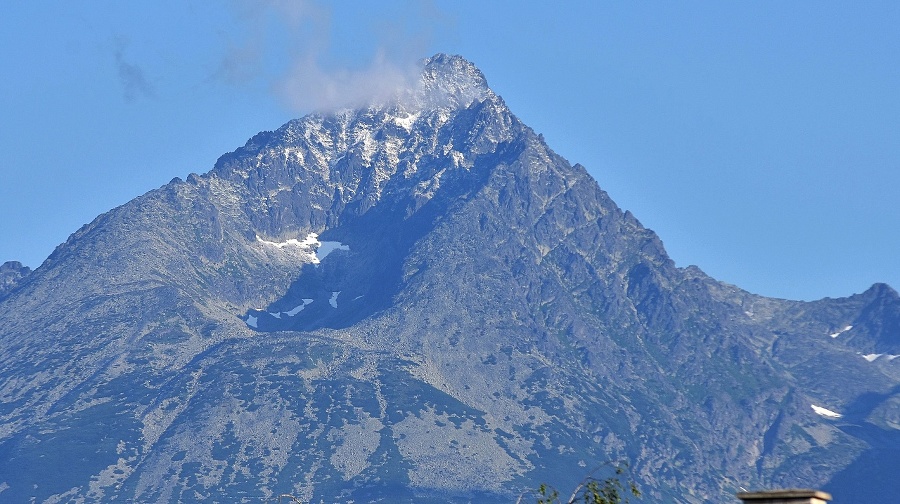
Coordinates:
(291, 43)
(309, 86)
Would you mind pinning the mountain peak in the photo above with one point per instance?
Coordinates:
(451, 80)
(442, 81)
(880, 289)
(443, 120)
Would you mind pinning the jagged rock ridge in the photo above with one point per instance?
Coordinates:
(420, 301)
(11, 275)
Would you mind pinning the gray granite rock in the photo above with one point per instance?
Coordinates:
(11, 275)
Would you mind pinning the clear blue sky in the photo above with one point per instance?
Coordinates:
(760, 140)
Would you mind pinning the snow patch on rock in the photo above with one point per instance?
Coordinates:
(328, 247)
(827, 413)
(310, 248)
(842, 331)
(299, 308)
(872, 357)
(407, 121)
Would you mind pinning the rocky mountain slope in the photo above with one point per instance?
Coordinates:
(419, 301)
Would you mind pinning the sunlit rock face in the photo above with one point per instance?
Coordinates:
(419, 301)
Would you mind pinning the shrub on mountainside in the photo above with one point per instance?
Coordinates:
(591, 490)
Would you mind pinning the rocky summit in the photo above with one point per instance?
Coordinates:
(419, 301)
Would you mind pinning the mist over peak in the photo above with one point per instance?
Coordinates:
(440, 81)
(309, 87)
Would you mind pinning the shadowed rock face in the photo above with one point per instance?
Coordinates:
(419, 301)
